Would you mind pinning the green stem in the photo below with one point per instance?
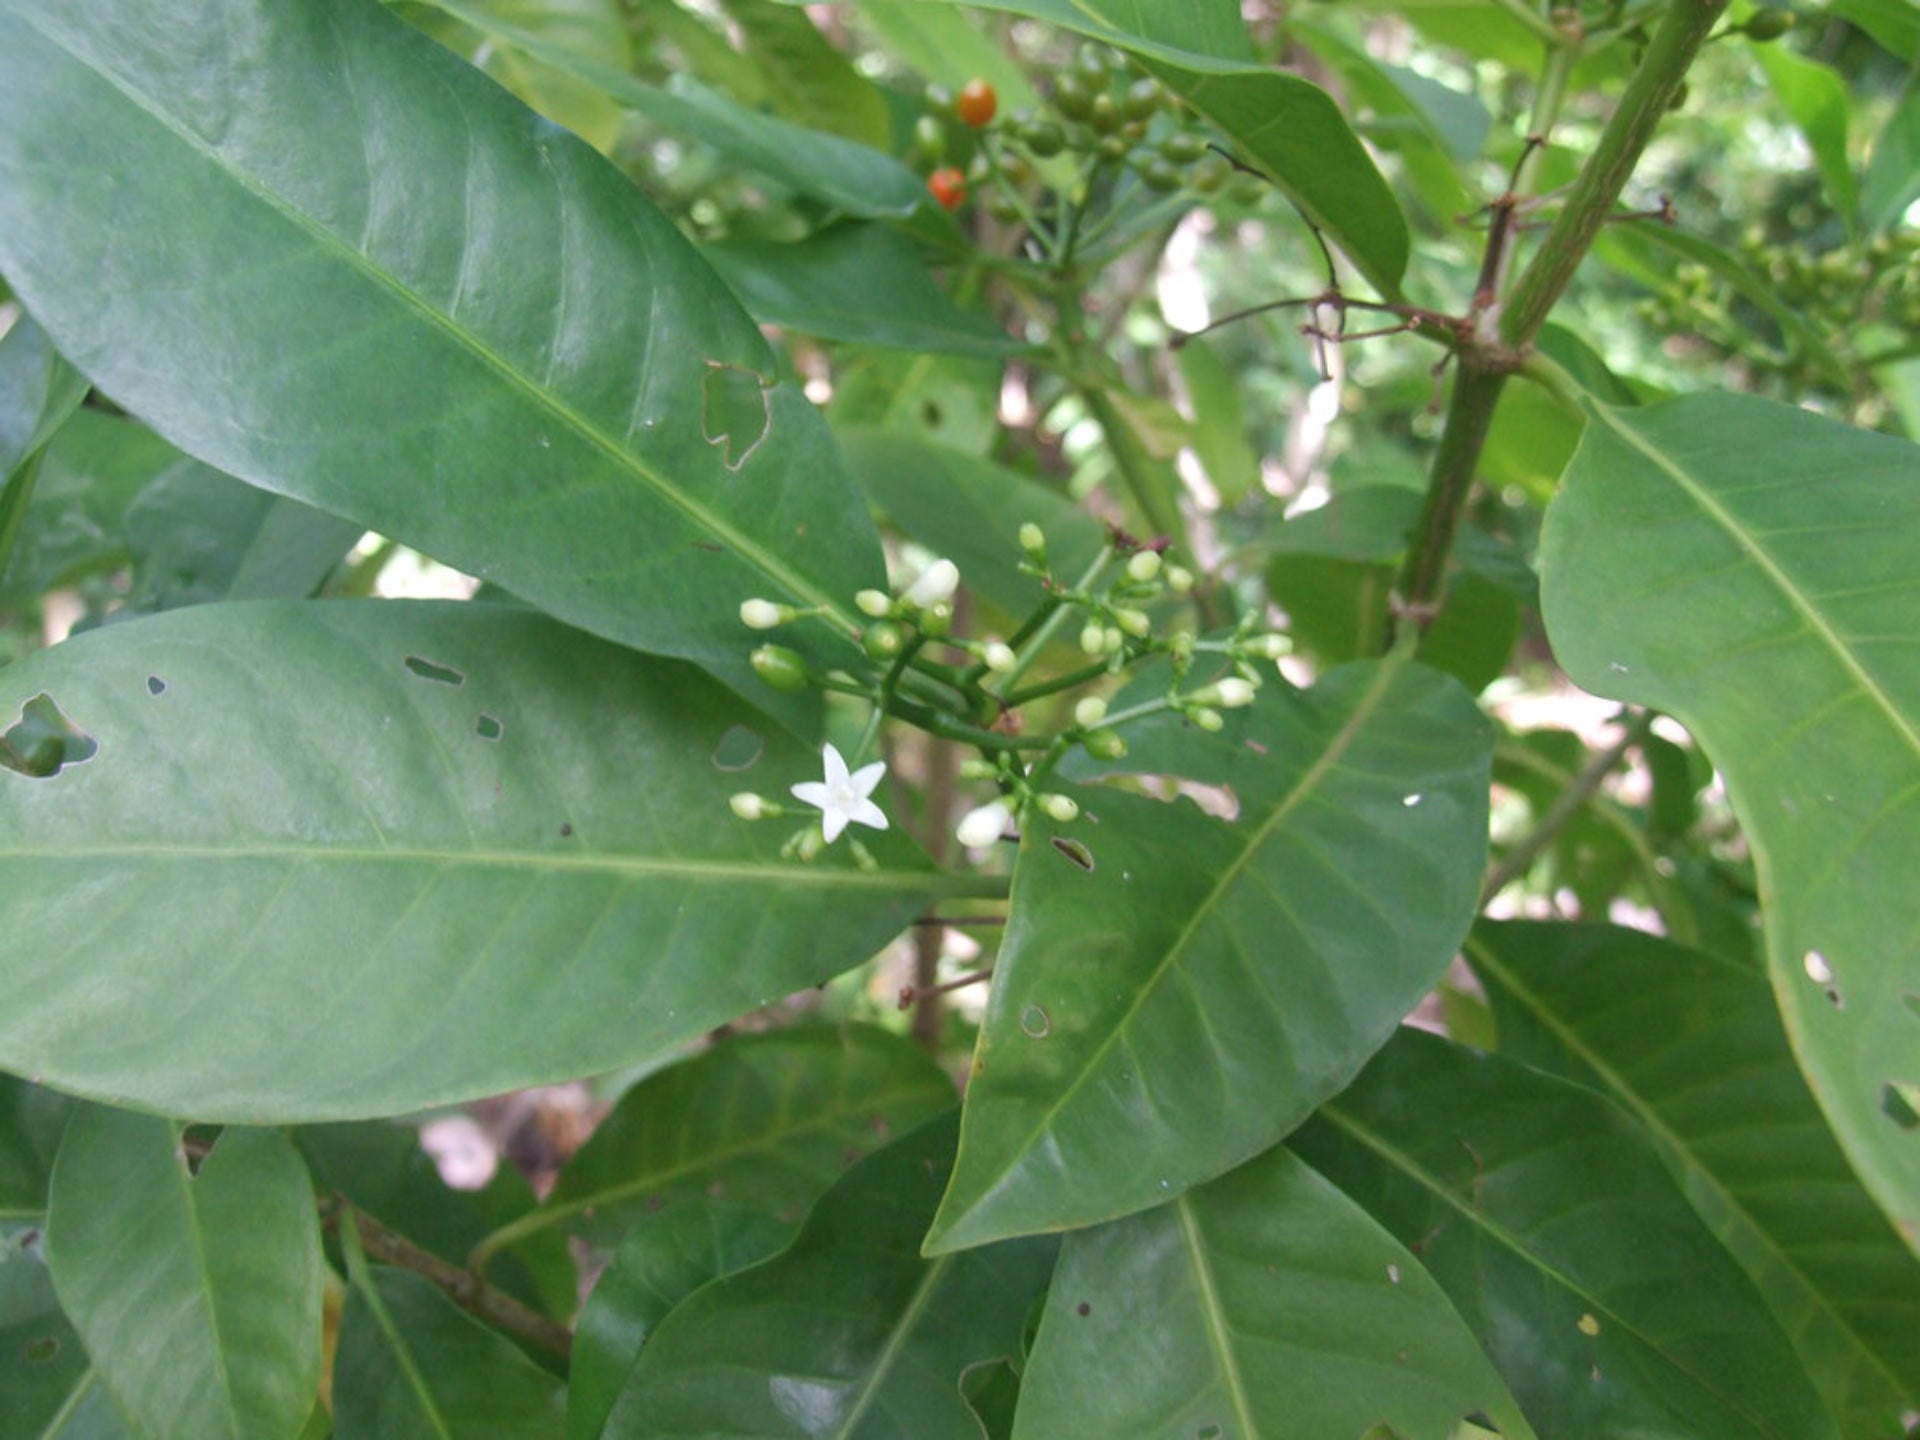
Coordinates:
(1531, 18)
(1069, 681)
(1044, 623)
(1469, 418)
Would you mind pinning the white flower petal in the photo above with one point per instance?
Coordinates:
(869, 814)
(867, 777)
(983, 826)
(814, 793)
(832, 822)
(936, 583)
(836, 767)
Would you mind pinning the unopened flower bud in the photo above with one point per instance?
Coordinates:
(1060, 808)
(999, 656)
(978, 769)
(749, 806)
(1113, 641)
(1179, 580)
(1033, 540)
(780, 667)
(1105, 745)
(764, 614)
(1134, 622)
(875, 603)
(1209, 720)
(1093, 640)
(937, 620)
(936, 583)
(1144, 565)
(1182, 644)
(1089, 712)
(983, 826)
(1270, 647)
(1233, 692)
(883, 640)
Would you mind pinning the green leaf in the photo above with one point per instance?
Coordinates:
(1136, 1003)
(413, 1365)
(1786, 541)
(49, 1390)
(1262, 1303)
(38, 391)
(808, 80)
(1691, 1046)
(861, 283)
(356, 858)
(971, 511)
(381, 1169)
(1546, 1216)
(492, 311)
(1892, 180)
(1816, 97)
(766, 1120)
(32, 1119)
(848, 1333)
(90, 473)
(1219, 421)
(662, 1261)
(1894, 24)
(947, 47)
(197, 1294)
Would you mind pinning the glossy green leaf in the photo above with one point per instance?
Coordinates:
(32, 1119)
(197, 1293)
(1548, 1219)
(971, 511)
(1892, 181)
(1219, 421)
(664, 1259)
(1816, 97)
(413, 1365)
(1787, 542)
(1164, 965)
(1264, 1303)
(38, 391)
(948, 47)
(380, 1167)
(439, 286)
(1691, 1045)
(49, 1389)
(386, 855)
(766, 1120)
(90, 473)
(808, 80)
(864, 284)
(1894, 24)
(848, 1333)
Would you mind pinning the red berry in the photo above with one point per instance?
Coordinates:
(977, 103)
(948, 186)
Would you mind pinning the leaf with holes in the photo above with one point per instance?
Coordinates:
(1548, 1219)
(412, 1364)
(848, 1333)
(49, 1389)
(766, 1120)
(1262, 1303)
(386, 855)
(198, 1295)
(389, 290)
(1161, 965)
(1690, 1044)
(1786, 542)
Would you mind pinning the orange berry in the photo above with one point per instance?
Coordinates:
(977, 103)
(948, 186)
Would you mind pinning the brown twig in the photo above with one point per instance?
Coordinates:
(911, 995)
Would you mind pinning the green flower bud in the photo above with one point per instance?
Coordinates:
(1209, 720)
(780, 667)
(1233, 692)
(1089, 712)
(1144, 565)
(1033, 540)
(1105, 745)
(1769, 24)
(978, 769)
(937, 619)
(1179, 580)
(876, 603)
(999, 656)
(764, 614)
(749, 806)
(1113, 642)
(1060, 808)
(883, 640)
(1135, 622)
(1093, 640)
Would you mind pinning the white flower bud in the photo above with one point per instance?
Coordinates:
(1134, 622)
(1144, 565)
(999, 656)
(748, 806)
(1093, 640)
(1090, 712)
(763, 614)
(1113, 641)
(1060, 808)
(936, 583)
(984, 826)
(874, 603)
(1270, 647)
(1179, 580)
(1233, 692)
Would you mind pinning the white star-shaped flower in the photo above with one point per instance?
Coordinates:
(841, 798)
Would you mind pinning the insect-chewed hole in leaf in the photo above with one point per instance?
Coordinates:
(40, 1351)
(1207, 1432)
(734, 412)
(739, 749)
(1817, 968)
(1074, 851)
(1912, 1001)
(1901, 1104)
(488, 727)
(44, 740)
(155, 685)
(428, 670)
(1035, 1023)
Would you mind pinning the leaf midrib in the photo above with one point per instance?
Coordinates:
(1215, 1316)
(923, 1294)
(353, 260)
(1483, 956)
(1502, 1236)
(203, 1271)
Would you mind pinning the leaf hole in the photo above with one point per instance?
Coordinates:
(1208, 1432)
(427, 670)
(43, 740)
(738, 749)
(1817, 968)
(40, 1351)
(1035, 1023)
(735, 413)
(1074, 851)
(155, 685)
(488, 727)
(1901, 1104)
(1393, 1274)
(1835, 998)
(1912, 1001)
(1083, 1309)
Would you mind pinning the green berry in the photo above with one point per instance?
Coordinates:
(1183, 147)
(1111, 147)
(1769, 24)
(1043, 138)
(1210, 174)
(1143, 99)
(1160, 174)
(1071, 97)
(930, 138)
(780, 667)
(1103, 115)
